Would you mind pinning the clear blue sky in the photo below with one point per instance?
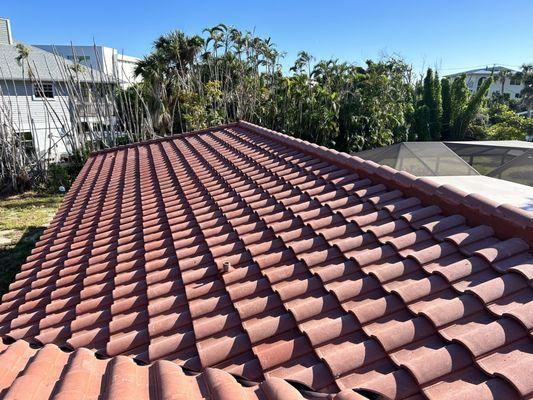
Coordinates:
(447, 34)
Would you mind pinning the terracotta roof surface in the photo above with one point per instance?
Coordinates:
(267, 257)
(31, 373)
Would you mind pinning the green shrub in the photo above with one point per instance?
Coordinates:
(123, 140)
(507, 125)
(62, 174)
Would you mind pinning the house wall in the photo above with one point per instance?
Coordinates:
(126, 69)
(100, 58)
(47, 119)
(472, 81)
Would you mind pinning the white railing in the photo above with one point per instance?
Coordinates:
(97, 108)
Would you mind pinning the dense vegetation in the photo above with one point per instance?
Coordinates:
(194, 82)
(191, 82)
(446, 110)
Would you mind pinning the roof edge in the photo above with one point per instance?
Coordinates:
(223, 384)
(505, 219)
(163, 139)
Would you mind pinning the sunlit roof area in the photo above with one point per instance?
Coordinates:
(498, 190)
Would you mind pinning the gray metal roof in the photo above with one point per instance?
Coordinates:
(483, 71)
(44, 65)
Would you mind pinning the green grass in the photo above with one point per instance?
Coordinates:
(22, 220)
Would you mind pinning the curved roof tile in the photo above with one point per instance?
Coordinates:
(268, 257)
(49, 372)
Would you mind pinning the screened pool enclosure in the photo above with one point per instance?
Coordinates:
(420, 159)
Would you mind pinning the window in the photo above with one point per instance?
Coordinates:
(26, 142)
(516, 81)
(43, 90)
(517, 95)
(83, 127)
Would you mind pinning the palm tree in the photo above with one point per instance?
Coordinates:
(502, 76)
(177, 50)
(164, 74)
(526, 77)
(22, 57)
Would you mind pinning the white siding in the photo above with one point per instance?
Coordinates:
(5, 31)
(45, 118)
(511, 90)
(126, 67)
(472, 81)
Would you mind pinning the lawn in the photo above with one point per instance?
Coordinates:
(23, 218)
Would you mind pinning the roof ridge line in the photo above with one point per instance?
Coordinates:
(162, 139)
(508, 221)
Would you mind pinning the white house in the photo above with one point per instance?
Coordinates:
(504, 80)
(44, 97)
(100, 58)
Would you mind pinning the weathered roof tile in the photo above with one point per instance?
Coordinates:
(261, 255)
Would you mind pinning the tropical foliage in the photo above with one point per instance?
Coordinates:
(192, 82)
(224, 74)
(506, 124)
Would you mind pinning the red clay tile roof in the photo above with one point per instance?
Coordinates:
(247, 250)
(49, 372)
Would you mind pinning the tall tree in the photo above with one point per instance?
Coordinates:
(164, 74)
(432, 100)
(420, 125)
(502, 76)
(526, 76)
(446, 94)
(436, 110)
(428, 88)
(468, 113)
(459, 97)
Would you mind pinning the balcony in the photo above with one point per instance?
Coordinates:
(97, 108)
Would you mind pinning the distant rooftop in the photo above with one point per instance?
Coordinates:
(44, 66)
(483, 71)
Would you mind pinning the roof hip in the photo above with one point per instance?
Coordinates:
(507, 220)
